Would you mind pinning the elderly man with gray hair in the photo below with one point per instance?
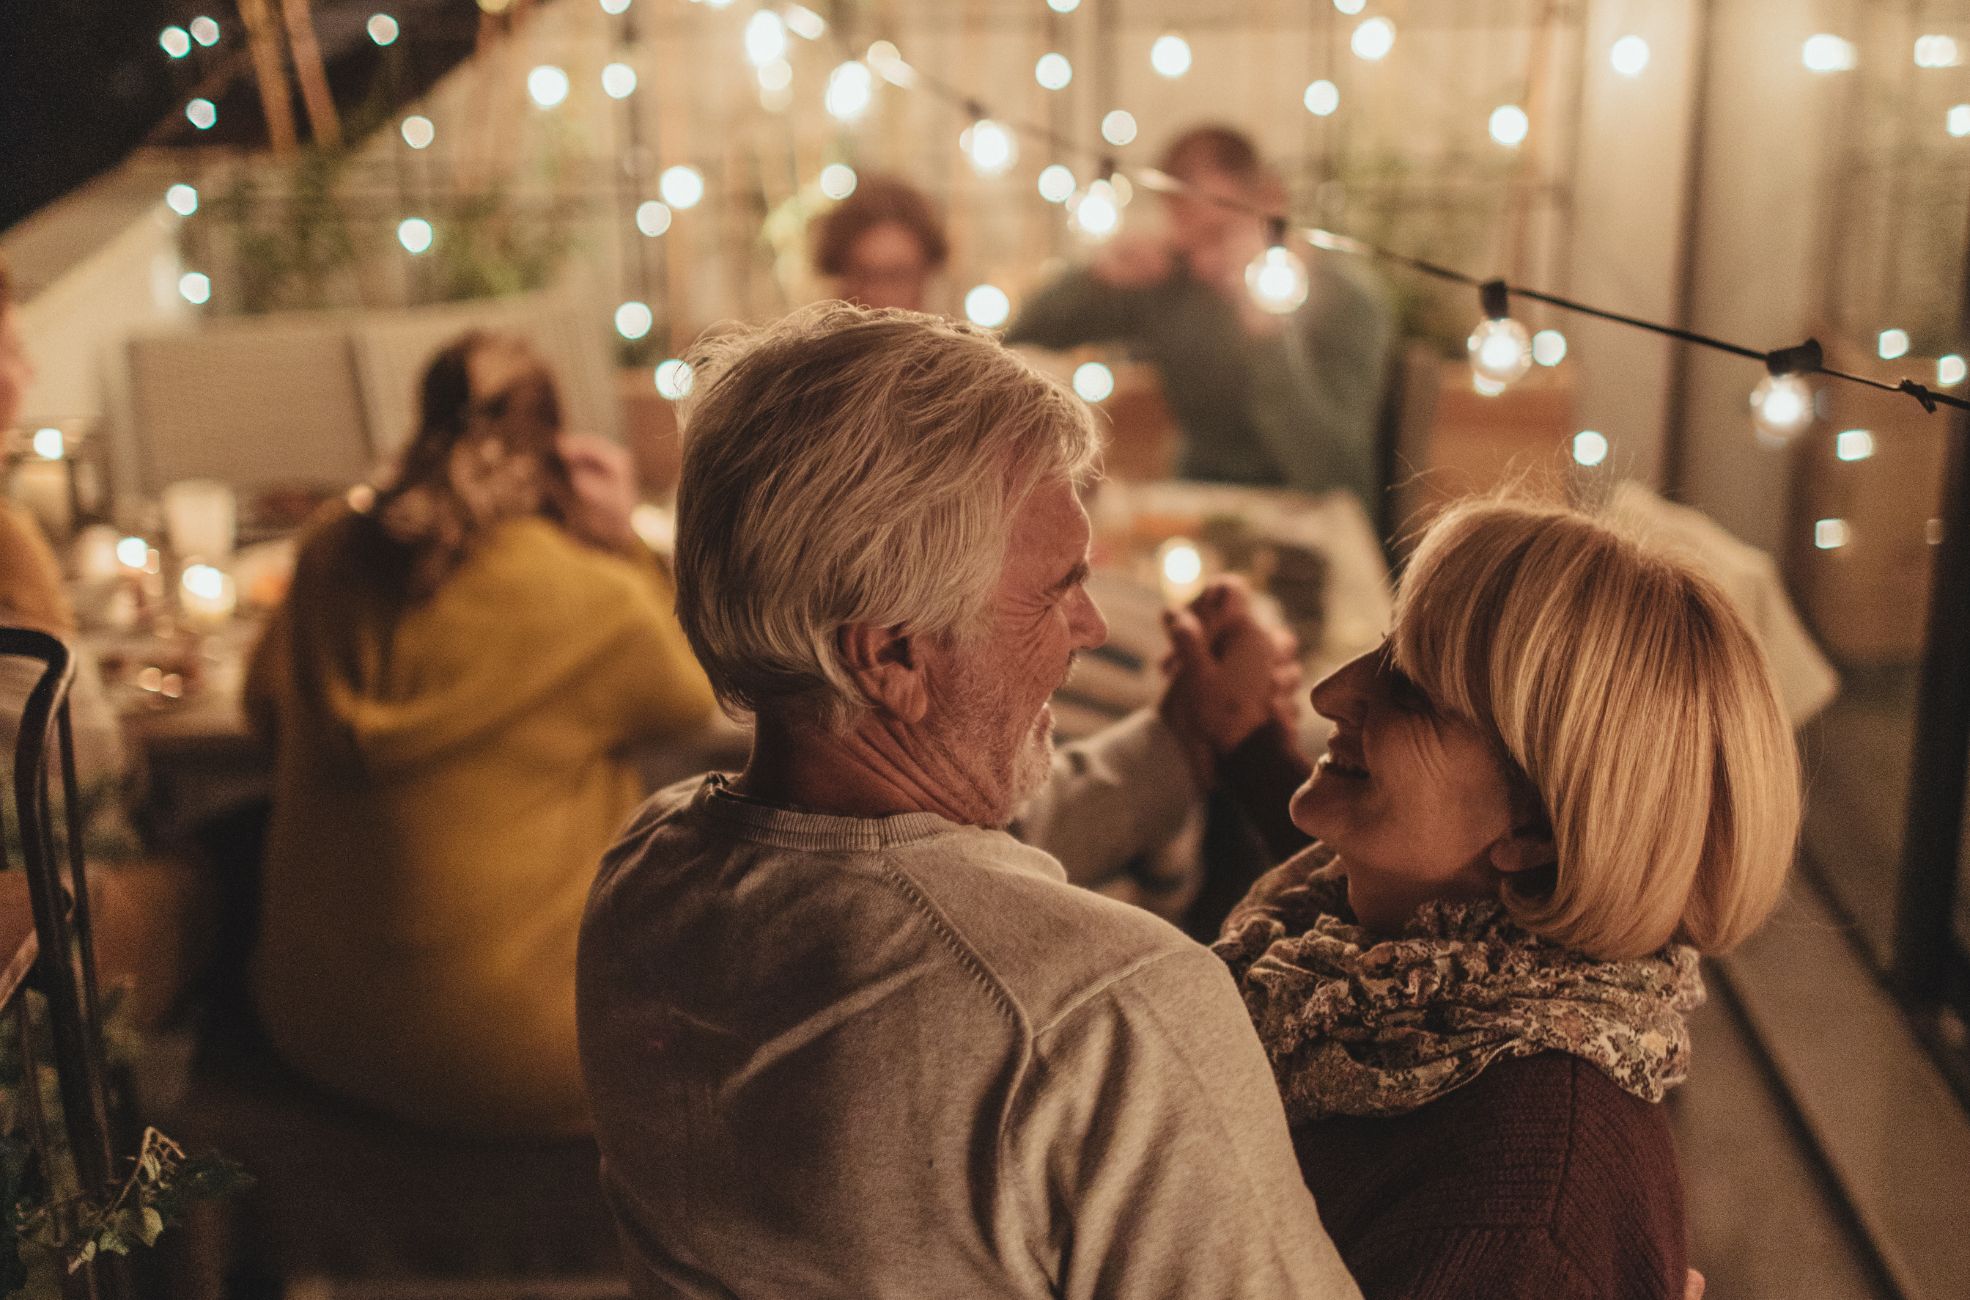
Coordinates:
(843, 1035)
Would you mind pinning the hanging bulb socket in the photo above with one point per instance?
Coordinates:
(1494, 296)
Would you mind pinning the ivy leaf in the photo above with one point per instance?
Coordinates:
(152, 1225)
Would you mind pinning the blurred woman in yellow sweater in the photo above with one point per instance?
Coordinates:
(453, 686)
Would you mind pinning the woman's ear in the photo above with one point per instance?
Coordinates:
(1523, 848)
(886, 667)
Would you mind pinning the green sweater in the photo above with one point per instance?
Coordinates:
(1297, 409)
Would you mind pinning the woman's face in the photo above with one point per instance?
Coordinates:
(1411, 798)
(886, 267)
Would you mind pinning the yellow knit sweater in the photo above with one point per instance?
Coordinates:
(448, 774)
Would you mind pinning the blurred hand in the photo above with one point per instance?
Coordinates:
(1134, 261)
(600, 492)
(1230, 674)
(1693, 1288)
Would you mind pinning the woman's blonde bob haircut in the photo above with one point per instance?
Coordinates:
(848, 466)
(1632, 695)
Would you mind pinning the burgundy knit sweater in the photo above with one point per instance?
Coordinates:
(1541, 1178)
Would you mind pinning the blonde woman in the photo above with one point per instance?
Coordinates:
(1563, 777)
(453, 687)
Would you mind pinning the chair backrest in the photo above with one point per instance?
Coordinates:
(64, 969)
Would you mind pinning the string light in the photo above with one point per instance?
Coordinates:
(1951, 370)
(804, 22)
(1063, 6)
(615, 7)
(674, 379)
(132, 552)
(1828, 53)
(1629, 56)
(1093, 382)
(382, 29)
(1170, 55)
(1853, 444)
(652, 217)
(838, 181)
(1350, 7)
(1781, 408)
(766, 38)
(202, 113)
(1057, 184)
(850, 89)
(1118, 127)
(547, 85)
(1094, 211)
(618, 81)
(205, 31)
(1322, 98)
(1373, 39)
(1957, 120)
(418, 132)
(634, 319)
(987, 305)
(1277, 278)
(1499, 348)
(1509, 125)
(177, 42)
(1891, 344)
(1831, 534)
(414, 233)
(1053, 71)
(991, 148)
(1549, 347)
(885, 62)
(195, 287)
(1590, 448)
(682, 187)
(181, 199)
(1937, 52)
(48, 444)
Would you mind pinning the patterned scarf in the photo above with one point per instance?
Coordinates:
(1357, 1024)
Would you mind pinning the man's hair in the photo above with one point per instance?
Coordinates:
(878, 201)
(850, 466)
(1633, 697)
(1213, 147)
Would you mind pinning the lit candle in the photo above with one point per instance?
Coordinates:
(207, 595)
(1180, 566)
(199, 519)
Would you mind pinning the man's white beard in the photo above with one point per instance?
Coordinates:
(1032, 765)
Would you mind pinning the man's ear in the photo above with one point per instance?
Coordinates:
(885, 665)
(1523, 848)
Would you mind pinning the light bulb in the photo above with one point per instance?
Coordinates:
(888, 63)
(633, 320)
(1322, 98)
(1549, 347)
(1093, 381)
(618, 80)
(614, 7)
(1853, 444)
(838, 181)
(195, 287)
(48, 444)
(1118, 127)
(1891, 344)
(1056, 184)
(1951, 370)
(1373, 39)
(1350, 7)
(1094, 211)
(1629, 55)
(987, 305)
(202, 113)
(1828, 53)
(414, 233)
(990, 146)
(1170, 55)
(132, 552)
(1957, 120)
(776, 76)
(674, 378)
(418, 131)
(177, 42)
(547, 85)
(1930, 52)
(181, 199)
(652, 217)
(1063, 6)
(1053, 71)
(1589, 448)
(804, 22)
(1277, 280)
(681, 187)
(1831, 534)
(382, 29)
(1781, 408)
(1509, 125)
(766, 38)
(850, 88)
(1500, 350)
(205, 31)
